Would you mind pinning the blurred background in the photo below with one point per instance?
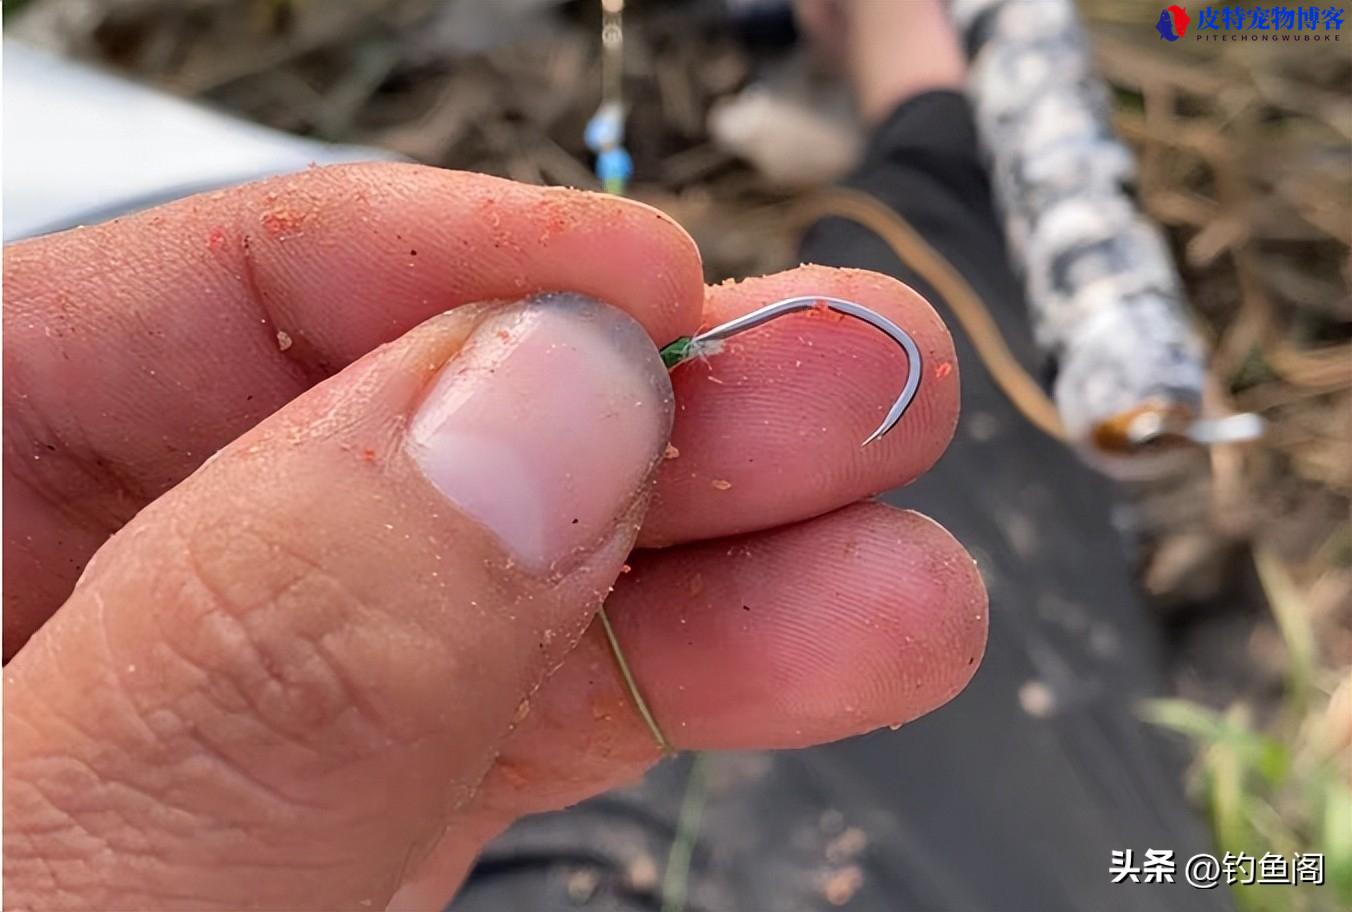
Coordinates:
(1245, 156)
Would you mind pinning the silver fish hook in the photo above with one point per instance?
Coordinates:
(769, 312)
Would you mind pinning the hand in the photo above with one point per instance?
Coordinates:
(350, 529)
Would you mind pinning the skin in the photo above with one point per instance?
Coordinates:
(262, 694)
(889, 51)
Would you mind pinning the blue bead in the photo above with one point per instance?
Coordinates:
(614, 165)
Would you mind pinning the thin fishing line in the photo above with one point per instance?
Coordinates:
(635, 694)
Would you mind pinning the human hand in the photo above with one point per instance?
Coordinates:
(338, 629)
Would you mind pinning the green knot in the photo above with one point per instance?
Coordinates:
(676, 352)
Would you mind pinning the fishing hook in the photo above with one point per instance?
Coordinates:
(689, 346)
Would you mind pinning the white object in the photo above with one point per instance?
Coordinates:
(82, 146)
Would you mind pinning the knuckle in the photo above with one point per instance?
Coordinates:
(259, 617)
(63, 465)
(50, 838)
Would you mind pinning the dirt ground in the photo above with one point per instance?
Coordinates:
(1245, 158)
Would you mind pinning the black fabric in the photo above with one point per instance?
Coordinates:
(1012, 797)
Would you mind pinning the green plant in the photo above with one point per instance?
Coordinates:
(1282, 787)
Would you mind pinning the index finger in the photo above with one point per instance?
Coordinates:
(137, 348)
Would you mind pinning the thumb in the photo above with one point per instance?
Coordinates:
(274, 685)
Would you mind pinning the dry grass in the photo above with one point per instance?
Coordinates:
(1246, 158)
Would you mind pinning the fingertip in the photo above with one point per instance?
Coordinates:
(867, 617)
(937, 400)
(935, 587)
(768, 430)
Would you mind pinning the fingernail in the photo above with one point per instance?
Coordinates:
(546, 424)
